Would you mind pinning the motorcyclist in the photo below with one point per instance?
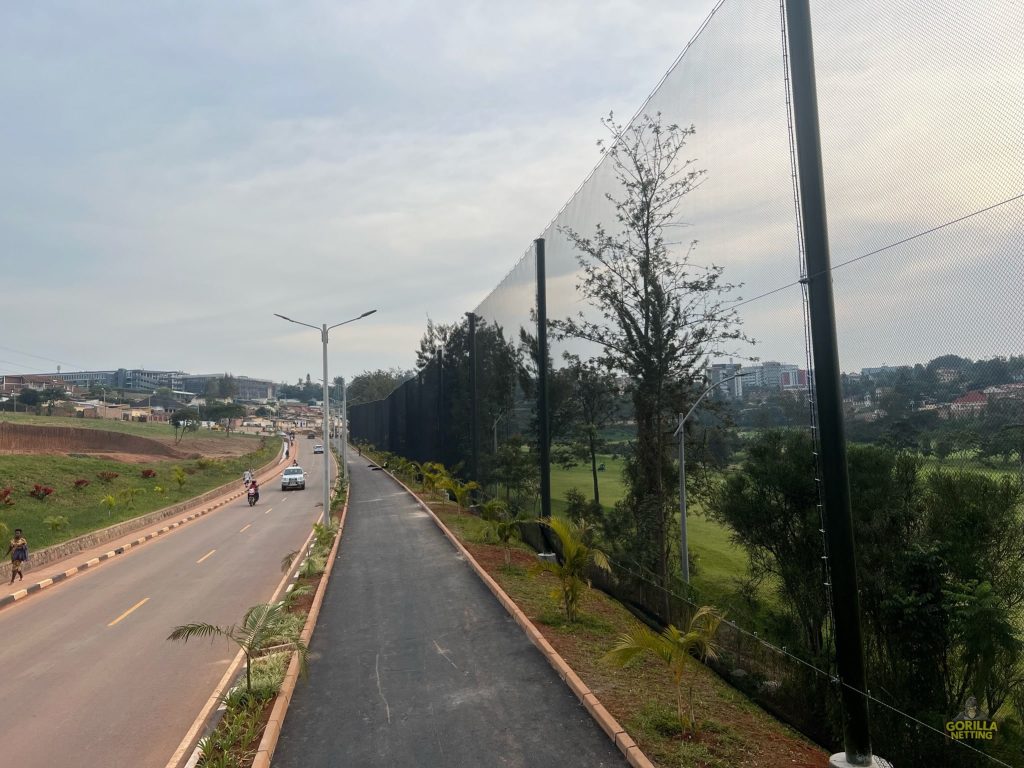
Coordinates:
(247, 477)
(254, 489)
(295, 462)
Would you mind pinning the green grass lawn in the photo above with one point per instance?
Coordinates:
(142, 428)
(721, 564)
(84, 510)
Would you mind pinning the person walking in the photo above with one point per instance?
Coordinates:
(18, 550)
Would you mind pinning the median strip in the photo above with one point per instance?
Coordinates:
(130, 611)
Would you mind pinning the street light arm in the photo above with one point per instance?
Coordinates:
(298, 322)
(702, 396)
(365, 314)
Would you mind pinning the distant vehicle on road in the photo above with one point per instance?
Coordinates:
(293, 477)
(318, 448)
(310, 435)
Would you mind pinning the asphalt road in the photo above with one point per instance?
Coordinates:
(415, 663)
(87, 677)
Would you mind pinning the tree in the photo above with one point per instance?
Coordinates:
(184, 420)
(594, 391)
(224, 413)
(771, 505)
(226, 387)
(264, 625)
(370, 386)
(29, 397)
(658, 315)
(677, 650)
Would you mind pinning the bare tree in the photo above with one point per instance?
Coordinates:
(657, 314)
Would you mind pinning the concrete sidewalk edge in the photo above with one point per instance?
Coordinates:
(272, 731)
(618, 735)
(266, 471)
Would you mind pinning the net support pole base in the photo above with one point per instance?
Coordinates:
(839, 760)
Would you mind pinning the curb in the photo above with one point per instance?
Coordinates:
(272, 731)
(634, 756)
(90, 564)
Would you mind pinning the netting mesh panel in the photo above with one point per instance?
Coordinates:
(922, 118)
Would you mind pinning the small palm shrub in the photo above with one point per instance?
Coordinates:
(264, 625)
(577, 557)
(676, 649)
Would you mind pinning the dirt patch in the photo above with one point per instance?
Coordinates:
(32, 439)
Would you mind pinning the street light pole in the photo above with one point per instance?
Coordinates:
(684, 552)
(324, 337)
(344, 429)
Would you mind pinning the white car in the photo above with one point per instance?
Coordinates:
(293, 477)
(318, 448)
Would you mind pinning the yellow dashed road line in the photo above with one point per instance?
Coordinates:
(131, 610)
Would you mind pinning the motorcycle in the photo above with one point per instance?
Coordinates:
(254, 496)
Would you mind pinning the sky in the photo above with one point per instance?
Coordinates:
(174, 173)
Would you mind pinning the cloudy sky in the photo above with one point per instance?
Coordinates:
(173, 173)
(176, 172)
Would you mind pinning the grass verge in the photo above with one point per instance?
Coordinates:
(100, 502)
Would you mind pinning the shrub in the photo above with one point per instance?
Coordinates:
(106, 476)
(5, 496)
(81, 484)
(57, 523)
(40, 491)
(109, 502)
(128, 496)
(180, 477)
(159, 489)
(148, 474)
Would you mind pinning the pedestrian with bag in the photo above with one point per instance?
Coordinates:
(18, 550)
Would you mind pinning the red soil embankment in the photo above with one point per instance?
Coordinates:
(32, 439)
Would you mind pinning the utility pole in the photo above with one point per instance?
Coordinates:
(543, 419)
(474, 417)
(835, 481)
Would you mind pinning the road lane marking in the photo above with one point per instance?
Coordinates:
(205, 556)
(269, 510)
(131, 610)
(246, 528)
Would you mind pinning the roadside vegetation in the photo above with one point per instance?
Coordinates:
(90, 493)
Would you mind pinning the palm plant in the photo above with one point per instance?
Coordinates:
(677, 650)
(460, 490)
(434, 474)
(577, 557)
(502, 525)
(264, 625)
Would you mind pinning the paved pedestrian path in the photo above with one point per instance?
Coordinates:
(414, 662)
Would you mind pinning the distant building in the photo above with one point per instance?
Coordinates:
(246, 388)
(732, 389)
(145, 380)
(972, 403)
